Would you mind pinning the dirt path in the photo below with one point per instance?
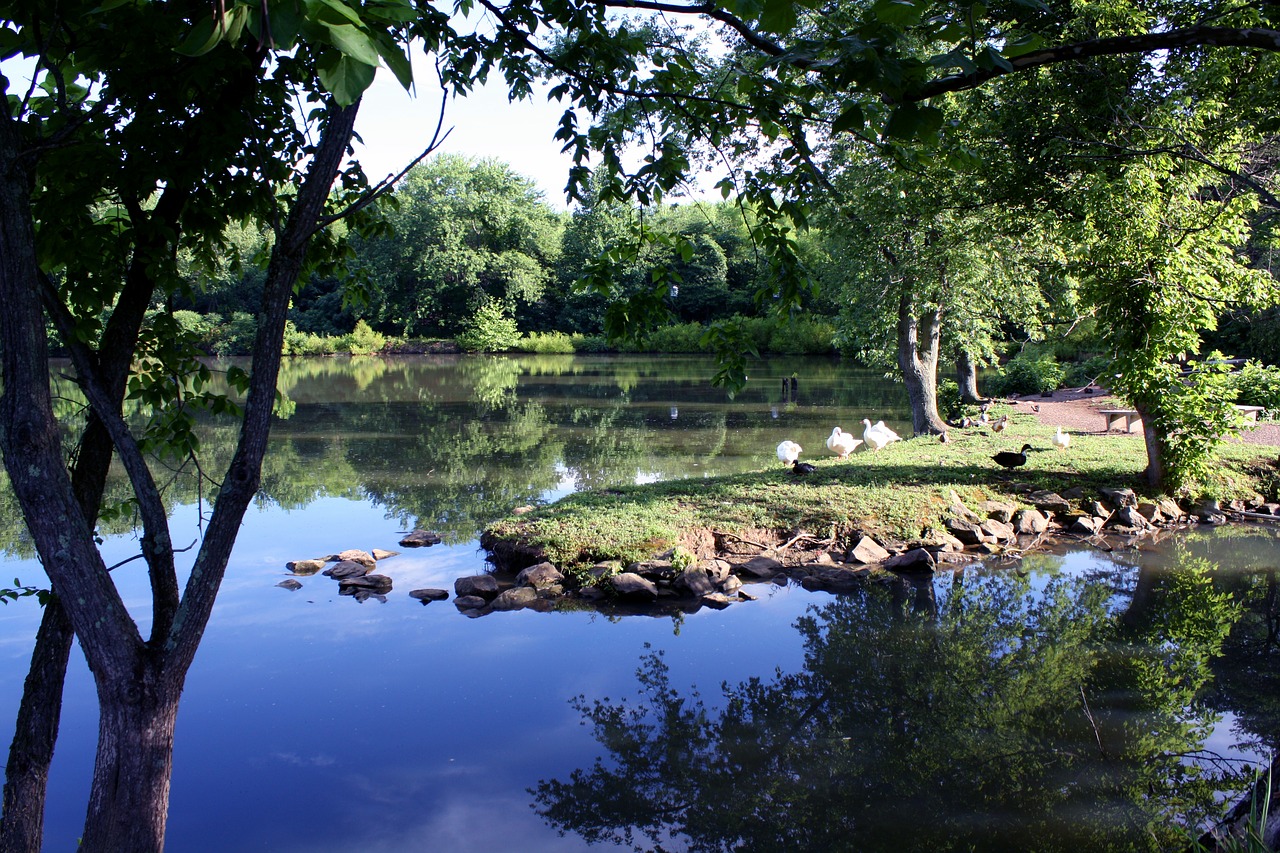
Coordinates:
(1076, 411)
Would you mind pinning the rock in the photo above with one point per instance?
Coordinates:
(1030, 522)
(344, 569)
(916, 560)
(1169, 508)
(539, 576)
(998, 530)
(420, 539)
(823, 559)
(469, 602)
(373, 583)
(760, 567)
(1074, 493)
(999, 510)
(1269, 509)
(633, 586)
(607, 569)
(1209, 512)
(592, 593)
(1120, 497)
(1085, 525)
(289, 584)
(1049, 500)
(426, 596)
(743, 595)
(514, 598)
(731, 584)
(717, 570)
(1150, 512)
(966, 531)
(653, 569)
(866, 550)
(380, 554)
(1097, 509)
(354, 555)
(949, 542)
(481, 586)
(694, 582)
(305, 567)
(1128, 516)
(717, 600)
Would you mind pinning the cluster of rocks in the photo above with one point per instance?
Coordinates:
(356, 571)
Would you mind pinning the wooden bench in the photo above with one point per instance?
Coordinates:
(1115, 416)
(1249, 413)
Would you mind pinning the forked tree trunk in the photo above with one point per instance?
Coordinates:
(920, 368)
(967, 378)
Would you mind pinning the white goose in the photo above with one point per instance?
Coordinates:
(879, 435)
(789, 452)
(842, 443)
(1061, 440)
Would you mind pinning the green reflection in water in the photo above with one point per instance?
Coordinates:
(989, 712)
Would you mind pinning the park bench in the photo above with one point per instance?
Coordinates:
(1249, 413)
(1114, 416)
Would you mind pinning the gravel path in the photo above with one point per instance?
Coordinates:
(1076, 411)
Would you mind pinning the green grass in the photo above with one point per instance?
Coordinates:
(898, 492)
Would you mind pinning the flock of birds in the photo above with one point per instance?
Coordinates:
(876, 436)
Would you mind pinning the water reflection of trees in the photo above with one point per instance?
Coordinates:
(996, 716)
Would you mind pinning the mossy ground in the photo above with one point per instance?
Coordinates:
(897, 492)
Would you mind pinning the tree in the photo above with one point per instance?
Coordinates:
(149, 128)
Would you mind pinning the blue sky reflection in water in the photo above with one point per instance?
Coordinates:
(311, 722)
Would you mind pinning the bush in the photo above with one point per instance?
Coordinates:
(591, 343)
(235, 336)
(548, 343)
(1082, 373)
(950, 406)
(682, 337)
(363, 340)
(492, 329)
(1025, 376)
(1258, 385)
(802, 337)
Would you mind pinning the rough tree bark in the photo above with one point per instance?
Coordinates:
(967, 378)
(919, 365)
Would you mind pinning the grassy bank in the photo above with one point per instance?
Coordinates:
(897, 493)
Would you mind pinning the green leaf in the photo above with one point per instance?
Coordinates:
(346, 78)
(1024, 45)
(395, 59)
(851, 119)
(898, 13)
(911, 121)
(332, 12)
(203, 37)
(353, 43)
(779, 16)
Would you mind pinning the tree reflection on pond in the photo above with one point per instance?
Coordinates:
(992, 714)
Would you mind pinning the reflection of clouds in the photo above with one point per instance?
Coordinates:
(463, 824)
(304, 761)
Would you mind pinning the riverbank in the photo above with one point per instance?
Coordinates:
(915, 498)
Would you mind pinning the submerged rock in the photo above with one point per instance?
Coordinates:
(426, 596)
(420, 539)
(305, 567)
(355, 555)
(633, 586)
(289, 584)
(539, 576)
(481, 586)
(761, 567)
(514, 598)
(344, 569)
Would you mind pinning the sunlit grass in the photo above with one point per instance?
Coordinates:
(897, 492)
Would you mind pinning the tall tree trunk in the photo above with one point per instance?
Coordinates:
(1155, 472)
(920, 369)
(26, 774)
(967, 378)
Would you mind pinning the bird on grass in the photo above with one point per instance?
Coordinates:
(1000, 423)
(788, 452)
(1009, 459)
(1061, 440)
(800, 469)
(842, 443)
(879, 435)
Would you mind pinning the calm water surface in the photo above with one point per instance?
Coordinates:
(1086, 701)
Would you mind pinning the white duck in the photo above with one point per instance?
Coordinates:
(1061, 440)
(789, 452)
(842, 443)
(879, 435)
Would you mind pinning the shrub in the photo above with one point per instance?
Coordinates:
(802, 337)
(681, 337)
(548, 342)
(1258, 385)
(591, 343)
(492, 329)
(950, 406)
(1082, 373)
(1025, 376)
(363, 340)
(235, 336)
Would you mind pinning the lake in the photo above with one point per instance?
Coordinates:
(1086, 700)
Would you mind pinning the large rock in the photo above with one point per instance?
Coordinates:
(469, 602)
(373, 583)
(484, 586)
(716, 600)
(1051, 501)
(1128, 516)
(998, 530)
(1120, 497)
(428, 595)
(731, 584)
(866, 550)
(655, 569)
(1085, 525)
(694, 582)
(1029, 522)
(760, 567)
(344, 569)
(630, 585)
(380, 554)
(420, 539)
(1169, 509)
(539, 576)
(514, 598)
(915, 560)
(966, 531)
(305, 567)
(999, 510)
(1150, 512)
(354, 555)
